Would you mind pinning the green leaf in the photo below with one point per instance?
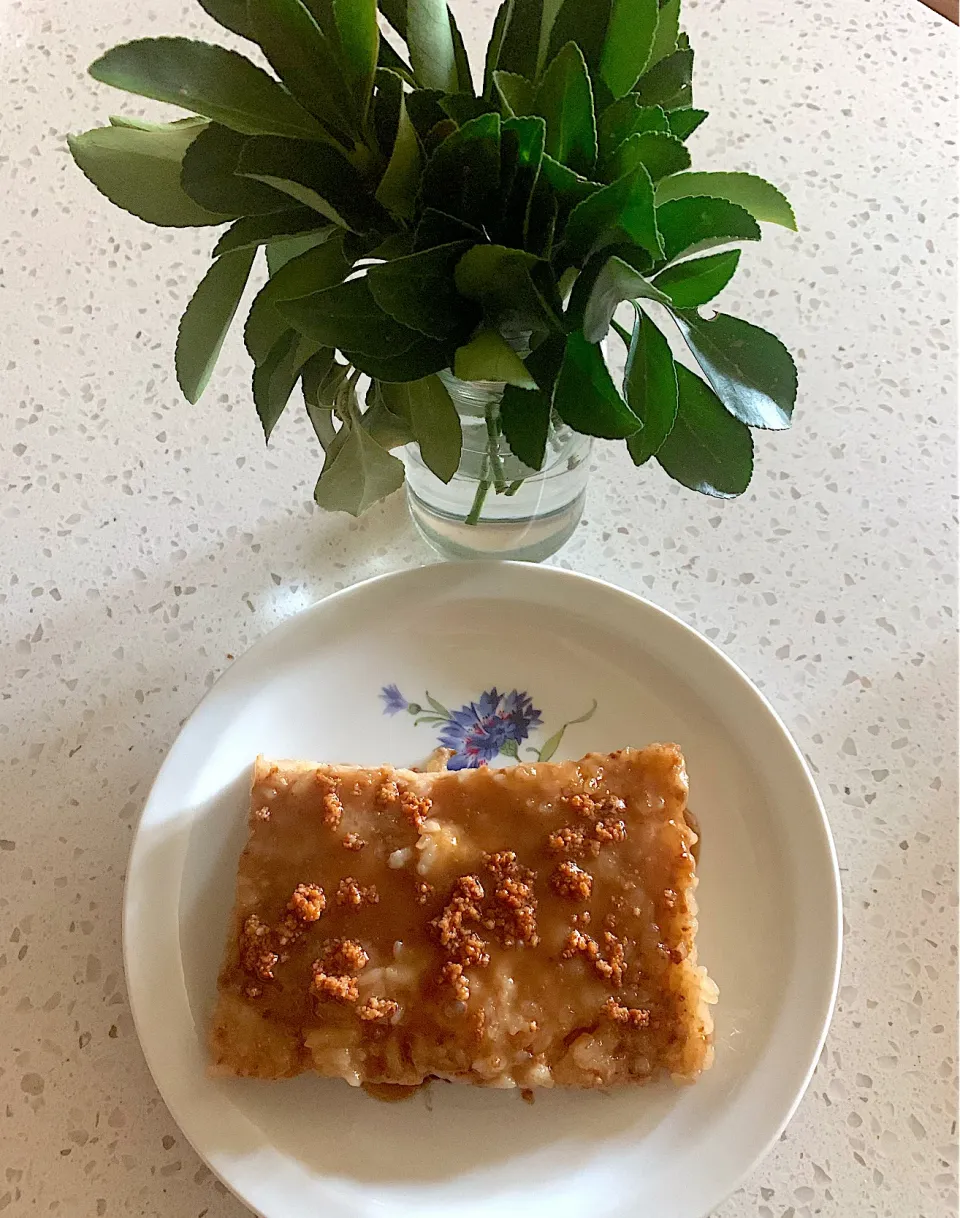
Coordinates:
(758, 197)
(437, 228)
(668, 83)
(209, 176)
(544, 218)
(580, 283)
(488, 358)
(693, 283)
(650, 386)
(419, 291)
(462, 177)
(284, 249)
(209, 80)
(231, 14)
(627, 46)
(460, 58)
(321, 420)
(616, 282)
(319, 267)
(620, 213)
(521, 154)
(346, 316)
(660, 155)
(564, 100)
(425, 110)
(708, 450)
(320, 379)
(553, 743)
(586, 398)
(751, 371)
(423, 357)
(584, 717)
(625, 117)
(360, 46)
(390, 430)
(357, 473)
(550, 746)
(316, 175)
(512, 287)
(525, 419)
(206, 320)
(251, 231)
(665, 38)
(385, 116)
(515, 46)
(462, 107)
(263, 327)
(395, 398)
(684, 122)
(437, 134)
(584, 24)
(438, 707)
(491, 59)
(397, 245)
(394, 62)
(694, 224)
(275, 378)
(516, 93)
(323, 377)
(430, 39)
(569, 188)
(306, 61)
(395, 12)
(323, 14)
(544, 362)
(144, 124)
(140, 172)
(510, 748)
(401, 179)
(357, 246)
(433, 420)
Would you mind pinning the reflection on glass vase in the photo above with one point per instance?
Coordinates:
(495, 506)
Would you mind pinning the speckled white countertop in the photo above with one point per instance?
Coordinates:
(145, 542)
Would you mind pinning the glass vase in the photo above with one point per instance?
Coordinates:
(495, 506)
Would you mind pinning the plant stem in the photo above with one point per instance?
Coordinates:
(492, 418)
(483, 486)
(514, 487)
(625, 335)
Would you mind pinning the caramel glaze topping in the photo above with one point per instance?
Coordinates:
(518, 927)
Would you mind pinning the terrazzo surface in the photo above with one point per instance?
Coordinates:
(145, 542)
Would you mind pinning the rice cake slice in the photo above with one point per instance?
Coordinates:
(532, 926)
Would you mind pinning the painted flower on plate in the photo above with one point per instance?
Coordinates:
(478, 732)
(393, 700)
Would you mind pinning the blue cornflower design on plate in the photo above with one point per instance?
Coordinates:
(482, 730)
(493, 725)
(393, 700)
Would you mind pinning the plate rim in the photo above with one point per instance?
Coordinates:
(457, 570)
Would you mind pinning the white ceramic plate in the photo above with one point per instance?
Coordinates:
(769, 901)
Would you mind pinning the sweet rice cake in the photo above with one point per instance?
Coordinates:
(531, 926)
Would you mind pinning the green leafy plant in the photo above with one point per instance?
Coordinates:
(415, 221)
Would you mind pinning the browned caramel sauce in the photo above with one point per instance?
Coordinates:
(694, 822)
(394, 1093)
(524, 927)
